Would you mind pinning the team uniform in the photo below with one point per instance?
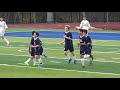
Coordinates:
(38, 50)
(82, 47)
(32, 49)
(3, 26)
(89, 46)
(68, 43)
(85, 25)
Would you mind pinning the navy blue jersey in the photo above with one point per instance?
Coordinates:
(88, 40)
(37, 42)
(82, 40)
(67, 41)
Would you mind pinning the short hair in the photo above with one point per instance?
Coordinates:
(33, 32)
(68, 26)
(37, 34)
(81, 30)
(85, 31)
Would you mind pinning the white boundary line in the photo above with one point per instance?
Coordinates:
(61, 58)
(61, 69)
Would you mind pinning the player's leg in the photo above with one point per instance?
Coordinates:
(72, 52)
(31, 58)
(40, 59)
(3, 37)
(66, 54)
(82, 58)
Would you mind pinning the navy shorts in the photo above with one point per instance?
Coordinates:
(88, 50)
(69, 47)
(39, 51)
(82, 50)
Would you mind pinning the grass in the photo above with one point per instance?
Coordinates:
(106, 60)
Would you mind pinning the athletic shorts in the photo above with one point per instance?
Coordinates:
(83, 50)
(2, 33)
(39, 51)
(69, 47)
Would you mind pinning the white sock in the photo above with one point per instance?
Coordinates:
(28, 60)
(83, 62)
(34, 60)
(40, 60)
(74, 57)
(68, 56)
(86, 56)
(6, 40)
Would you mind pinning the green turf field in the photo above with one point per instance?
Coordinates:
(106, 60)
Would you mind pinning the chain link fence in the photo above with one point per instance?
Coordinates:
(58, 17)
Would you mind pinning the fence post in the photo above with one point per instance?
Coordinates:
(50, 17)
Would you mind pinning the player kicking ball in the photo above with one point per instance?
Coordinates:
(68, 44)
(3, 27)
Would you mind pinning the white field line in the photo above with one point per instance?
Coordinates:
(61, 69)
(61, 58)
(116, 52)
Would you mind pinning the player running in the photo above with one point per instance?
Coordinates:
(68, 44)
(88, 51)
(32, 51)
(85, 25)
(38, 48)
(3, 27)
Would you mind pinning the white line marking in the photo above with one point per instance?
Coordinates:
(21, 50)
(61, 69)
(60, 58)
(55, 62)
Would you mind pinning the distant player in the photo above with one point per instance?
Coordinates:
(3, 27)
(88, 52)
(68, 44)
(82, 45)
(38, 48)
(85, 25)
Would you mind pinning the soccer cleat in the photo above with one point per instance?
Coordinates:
(41, 65)
(8, 44)
(91, 58)
(75, 61)
(69, 61)
(44, 55)
(26, 63)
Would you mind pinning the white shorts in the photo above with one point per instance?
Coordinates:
(2, 32)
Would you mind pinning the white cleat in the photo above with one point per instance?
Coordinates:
(26, 63)
(8, 44)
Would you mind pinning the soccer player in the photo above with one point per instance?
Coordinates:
(38, 48)
(82, 45)
(68, 44)
(3, 27)
(85, 25)
(88, 51)
(31, 51)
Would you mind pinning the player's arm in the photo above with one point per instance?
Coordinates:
(70, 37)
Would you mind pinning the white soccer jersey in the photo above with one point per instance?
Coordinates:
(3, 25)
(85, 24)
